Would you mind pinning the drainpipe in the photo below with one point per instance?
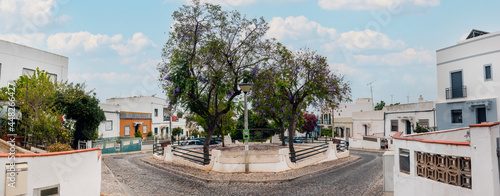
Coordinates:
(434, 112)
(384, 124)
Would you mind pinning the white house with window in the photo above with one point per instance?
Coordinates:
(467, 74)
(147, 104)
(405, 117)
(17, 60)
(110, 127)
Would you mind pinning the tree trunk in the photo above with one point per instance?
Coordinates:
(282, 130)
(210, 128)
(291, 133)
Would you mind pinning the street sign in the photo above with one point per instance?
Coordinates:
(246, 134)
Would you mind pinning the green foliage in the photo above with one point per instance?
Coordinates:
(138, 133)
(81, 106)
(195, 132)
(326, 132)
(180, 114)
(150, 134)
(380, 105)
(58, 147)
(36, 97)
(420, 129)
(176, 131)
(395, 104)
(95, 135)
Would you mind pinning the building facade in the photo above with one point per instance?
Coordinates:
(341, 118)
(110, 127)
(16, 60)
(467, 75)
(405, 117)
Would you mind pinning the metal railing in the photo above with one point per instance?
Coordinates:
(452, 93)
(188, 154)
(157, 149)
(308, 152)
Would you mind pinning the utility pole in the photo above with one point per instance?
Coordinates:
(391, 99)
(371, 91)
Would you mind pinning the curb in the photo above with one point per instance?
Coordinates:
(357, 158)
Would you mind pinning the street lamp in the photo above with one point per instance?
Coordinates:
(245, 88)
(170, 126)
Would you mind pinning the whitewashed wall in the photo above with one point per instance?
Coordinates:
(76, 172)
(14, 57)
(112, 112)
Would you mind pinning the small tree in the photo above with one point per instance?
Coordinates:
(138, 133)
(176, 131)
(326, 132)
(310, 124)
(180, 114)
(380, 105)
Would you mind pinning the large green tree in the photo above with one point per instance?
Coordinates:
(300, 79)
(208, 52)
(81, 107)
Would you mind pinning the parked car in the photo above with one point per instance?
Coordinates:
(295, 140)
(191, 142)
(212, 141)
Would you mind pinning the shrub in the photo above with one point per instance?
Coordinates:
(138, 133)
(150, 134)
(58, 147)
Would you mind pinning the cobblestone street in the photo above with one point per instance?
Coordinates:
(361, 177)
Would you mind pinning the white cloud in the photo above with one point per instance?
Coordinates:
(28, 16)
(363, 40)
(295, 28)
(83, 39)
(134, 45)
(236, 3)
(110, 78)
(342, 69)
(373, 4)
(35, 40)
(409, 56)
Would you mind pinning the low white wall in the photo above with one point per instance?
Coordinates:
(76, 172)
(355, 143)
(257, 163)
(456, 135)
(388, 161)
(364, 144)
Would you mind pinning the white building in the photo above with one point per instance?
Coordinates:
(16, 60)
(155, 106)
(369, 123)
(110, 127)
(404, 117)
(343, 116)
(467, 81)
(452, 162)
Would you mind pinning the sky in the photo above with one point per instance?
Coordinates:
(115, 46)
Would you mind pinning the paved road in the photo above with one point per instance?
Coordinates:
(359, 178)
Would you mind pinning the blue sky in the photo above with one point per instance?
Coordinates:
(114, 46)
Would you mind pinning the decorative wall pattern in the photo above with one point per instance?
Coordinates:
(446, 169)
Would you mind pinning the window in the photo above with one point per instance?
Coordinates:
(109, 125)
(145, 129)
(53, 77)
(156, 112)
(156, 130)
(127, 130)
(404, 160)
(47, 191)
(394, 125)
(424, 122)
(456, 116)
(487, 72)
(28, 72)
(182, 131)
(166, 115)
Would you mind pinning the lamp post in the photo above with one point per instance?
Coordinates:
(170, 126)
(245, 88)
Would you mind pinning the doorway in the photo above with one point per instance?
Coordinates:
(366, 129)
(480, 115)
(408, 127)
(456, 85)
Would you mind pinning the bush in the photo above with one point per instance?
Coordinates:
(150, 134)
(326, 132)
(58, 147)
(138, 133)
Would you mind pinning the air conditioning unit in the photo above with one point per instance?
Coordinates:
(20, 177)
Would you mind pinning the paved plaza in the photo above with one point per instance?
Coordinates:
(139, 174)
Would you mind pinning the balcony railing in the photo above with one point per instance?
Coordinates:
(452, 93)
